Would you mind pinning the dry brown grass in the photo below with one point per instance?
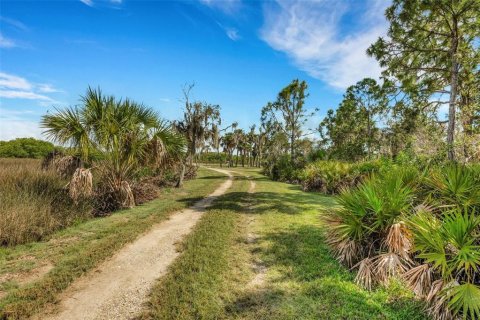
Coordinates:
(34, 202)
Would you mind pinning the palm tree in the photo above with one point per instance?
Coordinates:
(126, 135)
(199, 119)
(239, 137)
(229, 143)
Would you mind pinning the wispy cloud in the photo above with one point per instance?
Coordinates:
(11, 81)
(87, 2)
(14, 94)
(227, 6)
(15, 87)
(47, 88)
(165, 100)
(17, 124)
(311, 34)
(232, 33)
(7, 43)
(91, 3)
(14, 23)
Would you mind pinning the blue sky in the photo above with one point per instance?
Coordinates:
(239, 53)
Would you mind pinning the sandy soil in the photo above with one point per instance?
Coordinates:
(118, 287)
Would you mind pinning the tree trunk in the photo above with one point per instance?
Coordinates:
(180, 178)
(453, 98)
(369, 129)
(467, 123)
(219, 157)
(292, 148)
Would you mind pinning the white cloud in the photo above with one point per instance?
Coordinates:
(15, 87)
(90, 3)
(14, 94)
(18, 128)
(6, 42)
(232, 33)
(311, 34)
(14, 125)
(165, 100)
(227, 6)
(47, 88)
(13, 82)
(15, 23)
(87, 2)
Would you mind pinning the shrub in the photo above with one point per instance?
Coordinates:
(332, 176)
(213, 157)
(368, 228)
(448, 250)
(455, 185)
(422, 226)
(283, 169)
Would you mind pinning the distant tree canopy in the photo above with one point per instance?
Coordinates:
(288, 114)
(351, 132)
(25, 148)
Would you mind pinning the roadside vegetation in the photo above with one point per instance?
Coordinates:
(117, 154)
(32, 275)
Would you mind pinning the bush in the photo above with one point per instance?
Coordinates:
(25, 148)
(284, 170)
(213, 157)
(422, 226)
(331, 177)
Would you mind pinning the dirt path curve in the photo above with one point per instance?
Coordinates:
(118, 287)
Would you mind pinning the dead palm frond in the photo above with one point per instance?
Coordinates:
(388, 265)
(366, 273)
(438, 301)
(398, 240)
(126, 198)
(347, 251)
(66, 166)
(419, 279)
(81, 184)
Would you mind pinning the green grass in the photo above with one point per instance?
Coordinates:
(303, 280)
(213, 260)
(77, 249)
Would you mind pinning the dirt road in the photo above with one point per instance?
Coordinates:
(119, 286)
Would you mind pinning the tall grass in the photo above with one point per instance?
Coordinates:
(33, 202)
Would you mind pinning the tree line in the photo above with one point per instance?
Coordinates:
(430, 59)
